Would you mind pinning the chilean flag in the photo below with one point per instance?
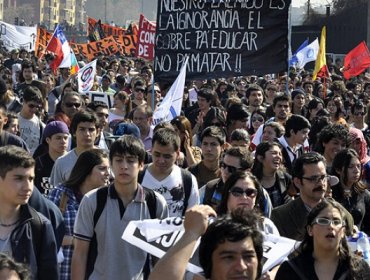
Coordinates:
(59, 45)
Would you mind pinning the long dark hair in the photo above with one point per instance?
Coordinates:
(261, 150)
(83, 167)
(307, 246)
(231, 181)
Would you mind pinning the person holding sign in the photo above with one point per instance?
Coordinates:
(324, 253)
(230, 247)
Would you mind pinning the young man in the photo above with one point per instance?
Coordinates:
(179, 187)
(230, 248)
(7, 138)
(254, 95)
(213, 141)
(125, 200)
(281, 110)
(237, 117)
(27, 75)
(83, 128)
(332, 139)
(234, 158)
(56, 136)
(296, 134)
(310, 177)
(30, 125)
(25, 234)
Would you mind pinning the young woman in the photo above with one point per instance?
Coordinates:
(351, 192)
(242, 190)
(257, 119)
(12, 125)
(269, 171)
(122, 106)
(336, 110)
(358, 143)
(272, 131)
(193, 154)
(323, 253)
(90, 171)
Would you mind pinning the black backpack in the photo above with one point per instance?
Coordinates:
(186, 180)
(101, 200)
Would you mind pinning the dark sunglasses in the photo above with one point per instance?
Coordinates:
(70, 105)
(139, 90)
(260, 119)
(239, 192)
(230, 169)
(33, 106)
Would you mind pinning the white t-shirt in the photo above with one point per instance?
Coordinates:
(171, 188)
(31, 131)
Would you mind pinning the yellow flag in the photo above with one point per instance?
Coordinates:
(320, 64)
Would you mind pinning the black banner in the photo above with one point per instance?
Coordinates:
(222, 38)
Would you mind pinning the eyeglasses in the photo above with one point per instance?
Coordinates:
(139, 90)
(230, 169)
(33, 106)
(317, 178)
(70, 105)
(239, 192)
(260, 119)
(326, 222)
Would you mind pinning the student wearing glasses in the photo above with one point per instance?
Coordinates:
(243, 191)
(358, 113)
(30, 125)
(324, 253)
(310, 177)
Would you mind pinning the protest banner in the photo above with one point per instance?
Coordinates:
(106, 46)
(158, 236)
(101, 96)
(146, 37)
(127, 44)
(43, 38)
(18, 37)
(109, 30)
(221, 38)
(86, 77)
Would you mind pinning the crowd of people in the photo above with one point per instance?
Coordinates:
(279, 154)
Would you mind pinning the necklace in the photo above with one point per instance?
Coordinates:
(9, 225)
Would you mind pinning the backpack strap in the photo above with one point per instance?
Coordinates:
(151, 201)
(41, 131)
(188, 183)
(63, 202)
(36, 228)
(101, 200)
(4, 136)
(141, 175)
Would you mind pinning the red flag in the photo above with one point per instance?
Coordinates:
(356, 61)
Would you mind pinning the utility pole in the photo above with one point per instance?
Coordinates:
(105, 11)
(308, 8)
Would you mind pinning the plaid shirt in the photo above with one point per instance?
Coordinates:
(69, 215)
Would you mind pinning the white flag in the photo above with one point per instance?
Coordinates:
(86, 77)
(170, 106)
(307, 54)
(18, 37)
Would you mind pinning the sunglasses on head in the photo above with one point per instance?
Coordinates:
(70, 105)
(239, 192)
(230, 169)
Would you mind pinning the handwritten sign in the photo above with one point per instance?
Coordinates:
(43, 38)
(107, 46)
(145, 46)
(221, 38)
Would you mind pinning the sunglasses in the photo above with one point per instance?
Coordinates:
(239, 192)
(326, 222)
(230, 169)
(139, 90)
(70, 105)
(260, 119)
(33, 106)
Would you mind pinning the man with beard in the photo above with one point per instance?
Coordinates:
(142, 117)
(310, 177)
(254, 95)
(213, 141)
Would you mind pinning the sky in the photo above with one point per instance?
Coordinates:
(298, 3)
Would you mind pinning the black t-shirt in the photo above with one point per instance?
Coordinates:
(43, 167)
